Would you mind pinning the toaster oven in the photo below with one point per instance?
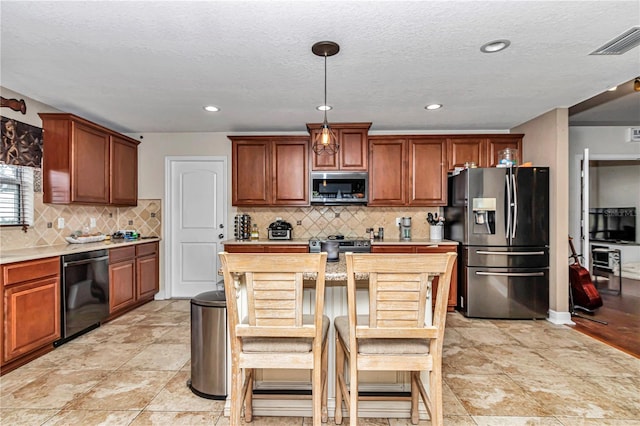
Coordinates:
(279, 230)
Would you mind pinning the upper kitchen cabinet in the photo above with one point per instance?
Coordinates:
(497, 143)
(480, 149)
(353, 153)
(461, 150)
(85, 163)
(270, 170)
(407, 171)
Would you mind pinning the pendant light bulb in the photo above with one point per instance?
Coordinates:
(325, 136)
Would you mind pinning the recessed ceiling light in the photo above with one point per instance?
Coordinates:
(495, 46)
(324, 107)
(211, 108)
(433, 106)
(612, 89)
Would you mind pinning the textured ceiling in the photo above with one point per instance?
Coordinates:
(151, 66)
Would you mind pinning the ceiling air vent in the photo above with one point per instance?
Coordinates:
(619, 45)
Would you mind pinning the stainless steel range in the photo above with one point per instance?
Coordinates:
(357, 245)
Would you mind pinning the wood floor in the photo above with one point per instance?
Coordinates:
(621, 312)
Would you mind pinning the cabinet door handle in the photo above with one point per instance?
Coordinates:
(511, 274)
(511, 253)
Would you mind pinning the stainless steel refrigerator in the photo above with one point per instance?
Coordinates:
(500, 217)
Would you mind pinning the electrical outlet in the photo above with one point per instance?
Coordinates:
(298, 222)
(398, 221)
(92, 222)
(61, 223)
(130, 222)
(49, 225)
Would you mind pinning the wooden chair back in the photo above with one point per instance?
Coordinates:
(399, 286)
(274, 290)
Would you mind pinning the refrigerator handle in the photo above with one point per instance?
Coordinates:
(507, 232)
(515, 207)
(511, 274)
(510, 253)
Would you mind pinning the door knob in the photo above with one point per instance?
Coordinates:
(221, 226)
(220, 236)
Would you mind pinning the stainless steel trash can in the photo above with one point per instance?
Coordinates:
(209, 345)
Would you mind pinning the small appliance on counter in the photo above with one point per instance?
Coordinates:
(280, 230)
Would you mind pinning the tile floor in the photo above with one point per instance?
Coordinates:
(133, 371)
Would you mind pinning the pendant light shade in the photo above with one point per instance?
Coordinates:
(325, 141)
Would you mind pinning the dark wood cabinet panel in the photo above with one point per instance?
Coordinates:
(266, 248)
(427, 172)
(251, 183)
(122, 290)
(270, 170)
(134, 276)
(31, 309)
(387, 171)
(86, 163)
(497, 143)
(124, 172)
(461, 150)
(32, 317)
(290, 172)
(147, 271)
(90, 165)
(353, 152)
(400, 248)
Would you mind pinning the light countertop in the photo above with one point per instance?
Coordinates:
(31, 253)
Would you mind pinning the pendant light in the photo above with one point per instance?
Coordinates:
(325, 142)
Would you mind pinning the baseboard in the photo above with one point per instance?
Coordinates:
(560, 318)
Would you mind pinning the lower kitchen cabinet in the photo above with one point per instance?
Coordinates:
(411, 248)
(266, 248)
(31, 309)
(147, 271)
(133, 276)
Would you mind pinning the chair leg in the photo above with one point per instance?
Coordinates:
(325, 374)
(339, 376)
(316, 389)
(248, 398)
(353, 390)
(415, 394)
(435, 386)
(236, 394)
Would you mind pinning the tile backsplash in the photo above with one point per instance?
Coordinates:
(145, 218)
(350, 221)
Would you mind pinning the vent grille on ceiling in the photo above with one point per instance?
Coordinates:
(619, 45)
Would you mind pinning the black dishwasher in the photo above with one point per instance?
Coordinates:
(85, 292)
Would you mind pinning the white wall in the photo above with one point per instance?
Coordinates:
(33, 108)
(546, 144)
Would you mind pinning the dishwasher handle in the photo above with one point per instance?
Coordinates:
(83, 262)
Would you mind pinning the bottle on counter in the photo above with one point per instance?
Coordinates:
(255, 234)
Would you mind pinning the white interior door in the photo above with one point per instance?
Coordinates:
(584, 230)
(196, 205)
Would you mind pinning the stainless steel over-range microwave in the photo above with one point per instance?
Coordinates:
(335, 188)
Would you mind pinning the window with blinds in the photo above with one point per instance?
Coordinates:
(16, 195)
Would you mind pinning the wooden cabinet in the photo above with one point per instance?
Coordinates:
(122, 278)
(412, 248)
(270, 170)
(266, 248)
(31, 307)
(85, 163)
(407, 171)
(147, 271)
(497, 143)
(480, 149)
(124, 172)
(461, 150)
(133, 276)
(353, 152)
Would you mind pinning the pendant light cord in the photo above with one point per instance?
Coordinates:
(325, 87)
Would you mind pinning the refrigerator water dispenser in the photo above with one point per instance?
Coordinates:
(484, 214)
